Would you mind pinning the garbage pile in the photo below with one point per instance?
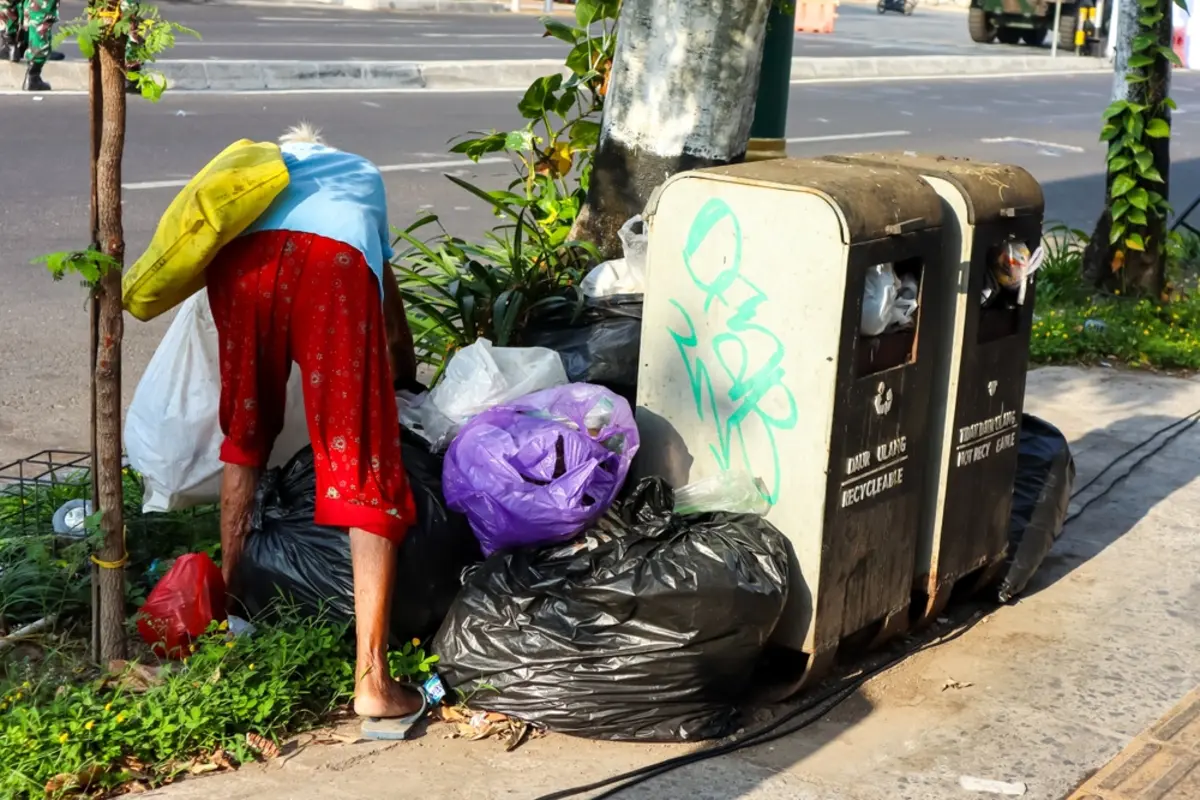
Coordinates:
(556, 591)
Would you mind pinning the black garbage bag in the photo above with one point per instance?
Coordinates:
(601, 346)
(287, 554)
(1041, 495)
(647, 627)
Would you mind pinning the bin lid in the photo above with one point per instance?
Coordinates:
(873, 201)
(991, 191)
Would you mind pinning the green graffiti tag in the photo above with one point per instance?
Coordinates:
(748, 354)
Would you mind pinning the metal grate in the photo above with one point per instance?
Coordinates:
(33, 488)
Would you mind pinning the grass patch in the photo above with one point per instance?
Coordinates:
(1074, 324)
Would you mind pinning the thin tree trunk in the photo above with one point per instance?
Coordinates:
(95, 125)
(681, 96)
(1141, 272)
(108, 362)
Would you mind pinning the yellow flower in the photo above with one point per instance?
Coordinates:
(120, 717)
(1064, 336)
(1145, 332)
(229, 644)
(416, 642)
(27, 684)
(63, 738)
(1116, 291)
(252, 668)
(108, 707)
(89, 725)
(224, 625)
(191, 648)
(17, 696)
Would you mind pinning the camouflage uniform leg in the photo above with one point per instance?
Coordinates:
(10, 18)
(40, 16)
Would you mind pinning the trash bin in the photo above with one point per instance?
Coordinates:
(752, 360)
(979, 384)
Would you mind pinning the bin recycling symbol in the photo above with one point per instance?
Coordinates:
(883, 400)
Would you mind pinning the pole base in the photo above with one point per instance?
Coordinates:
(766, 149)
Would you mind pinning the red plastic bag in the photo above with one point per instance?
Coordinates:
(189, 598)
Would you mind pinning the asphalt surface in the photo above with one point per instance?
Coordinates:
(1048, 126)
(230, 32)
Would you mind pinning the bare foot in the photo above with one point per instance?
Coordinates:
(385, 698)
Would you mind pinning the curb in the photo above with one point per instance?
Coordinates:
(250, 76)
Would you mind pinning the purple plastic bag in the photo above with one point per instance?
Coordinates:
(529, 472)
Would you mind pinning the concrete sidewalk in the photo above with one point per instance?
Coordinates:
(1043, 692)
(262, 75)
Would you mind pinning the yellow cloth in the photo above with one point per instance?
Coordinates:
(224, 199)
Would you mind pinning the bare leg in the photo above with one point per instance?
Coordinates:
(238, 484)
(375, 693)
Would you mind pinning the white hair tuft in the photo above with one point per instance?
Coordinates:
(303, 132)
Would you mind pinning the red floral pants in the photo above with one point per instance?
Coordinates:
(279, 297)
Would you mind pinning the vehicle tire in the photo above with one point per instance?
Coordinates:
(882, 7)
(1009, 35)
(983, 29)
(1066, 31)
(1035, 37)
(910, 7)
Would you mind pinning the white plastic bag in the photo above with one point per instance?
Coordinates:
(477, 378)
(889, 303)
(621, 275)
(173, 431)
(736, 492)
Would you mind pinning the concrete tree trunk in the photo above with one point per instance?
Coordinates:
(1143, 272)
(681, 96)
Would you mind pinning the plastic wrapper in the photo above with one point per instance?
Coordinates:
(541, 469)
(889, 303)
(181, 607)
(173, 428)
(601, 346)
(648, 627)
(1041, 497)
(734, 491)
(289, 558)
(477, 378)
(621, 276)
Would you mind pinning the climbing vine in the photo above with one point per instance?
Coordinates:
(1130, 129)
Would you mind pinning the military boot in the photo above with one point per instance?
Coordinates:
(33, 79)
(6, 47)
(19, 46)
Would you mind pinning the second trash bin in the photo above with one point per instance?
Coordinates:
(992, 212)
(754, 358)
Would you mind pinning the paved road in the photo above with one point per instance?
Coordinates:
(283, 33)
(1047, 126)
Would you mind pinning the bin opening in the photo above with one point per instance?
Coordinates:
(1000, 315)
(897, 344)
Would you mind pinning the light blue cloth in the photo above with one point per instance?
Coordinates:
(333, 194)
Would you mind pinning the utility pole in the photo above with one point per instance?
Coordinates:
(768, 132)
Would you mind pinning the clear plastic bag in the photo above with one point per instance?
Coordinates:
(477, 378)
(1011, 270)
(735, 492)
(625, 275)
(889, 303)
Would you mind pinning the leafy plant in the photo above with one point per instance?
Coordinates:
(147, 36)
(58, 737)
(411, 662)
(1129, 129)
(553, 151)
(457, 292)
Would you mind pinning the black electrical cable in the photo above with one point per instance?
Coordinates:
(832, 697)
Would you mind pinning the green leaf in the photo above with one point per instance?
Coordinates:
(1117, 233)
(1170, 103)
(586, 12)
(520, 141)
(1134, 125)
(1169, 55)
(1122, 186)
(1140, 61)
(1182, 4)
(1144, 40)
(1153, 175)
(1137, 217)
(1119, 209)
(1135, 78)
(1135, 242)
(1139, 199)
(531, 105)
(1148, 4)
(1115, 110)
(585, 133)
(1158, 128)
(1144, 161)
(579, 60)
(561, 31)
(1119, 163)
(1109, 132)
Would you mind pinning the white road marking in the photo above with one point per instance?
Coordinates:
(369, 104)
(364, 45)
(342, 23)
(838, 137)
(416, 166)
(533, 35)
(1070, 148)
(926, 78)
